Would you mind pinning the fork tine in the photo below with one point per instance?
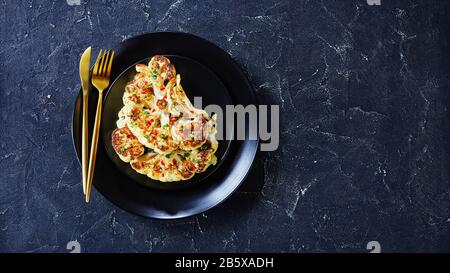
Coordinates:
(108, 71)
(101, 68)
(95, 70)
(105, 63)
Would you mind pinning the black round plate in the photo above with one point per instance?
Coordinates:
(198, 81)
(236, 158)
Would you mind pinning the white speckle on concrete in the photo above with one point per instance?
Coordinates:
(124, 37)
(304, 189)
(73, 2)
(174, 7)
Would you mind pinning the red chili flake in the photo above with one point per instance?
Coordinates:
(163, 87)
(154, 133)
(149, 122)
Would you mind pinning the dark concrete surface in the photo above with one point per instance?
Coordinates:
(364, 154)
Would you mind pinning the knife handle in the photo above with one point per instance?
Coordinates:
(94, 144)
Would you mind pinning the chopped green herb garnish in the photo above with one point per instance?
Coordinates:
(168, 155)
(165, 125)
(147, 136)
(155, 74)
(186, 155)
(164, 136)
(204, 147)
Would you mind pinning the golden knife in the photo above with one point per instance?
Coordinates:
(84, 76)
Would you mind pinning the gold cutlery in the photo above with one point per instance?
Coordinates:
(85, 62)
(100, 80)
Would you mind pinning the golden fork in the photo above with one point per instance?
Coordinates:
(100, 80)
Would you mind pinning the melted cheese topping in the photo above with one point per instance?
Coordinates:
(179, 138)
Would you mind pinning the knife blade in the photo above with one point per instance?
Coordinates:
(85, 63)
